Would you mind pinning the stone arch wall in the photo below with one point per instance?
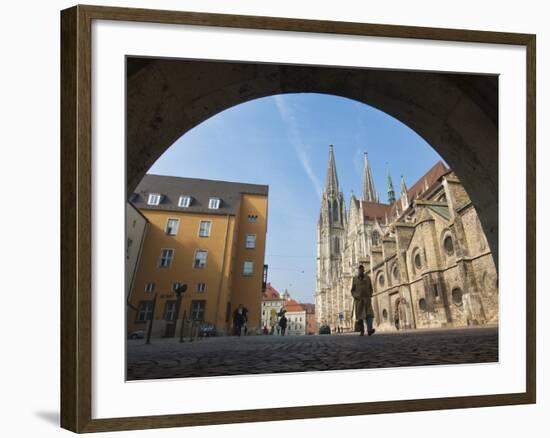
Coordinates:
(455, 113)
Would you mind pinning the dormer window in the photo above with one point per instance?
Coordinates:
(184, 201)
(214, 203)
(154, 199)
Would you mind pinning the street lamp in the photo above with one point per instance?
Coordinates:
(180, 290)
(151, 319)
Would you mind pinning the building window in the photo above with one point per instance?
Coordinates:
(214, 203)
(170, 311)
(166, 256)
(154, 199)
(457, 296)
(252, 218)
(250, 241)
(248, 268)
(145, 311)
(336, 243)
(204, 228)
(417, 261)
(201, 287)
(375, 238)
(422, 304)
(184, 201)
(150, 287)
(172, 226)
(197, 310)
(395, 273)
(200, 259)
(381, 280)
(448, 245)
(129, 243)
(335, 212)
(175, 286)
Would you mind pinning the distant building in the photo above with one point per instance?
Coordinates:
(272, 303)
(296, 316)
(426, 253)
(311, 320)
(208, 235)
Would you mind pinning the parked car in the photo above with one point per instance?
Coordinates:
(138, 334)
(324, 330)
(207, 329)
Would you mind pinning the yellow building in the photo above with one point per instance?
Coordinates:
(208, 235)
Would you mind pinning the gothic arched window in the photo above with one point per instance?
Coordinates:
(336, 245)
(457, 296)
(334, 212)
(375, 238)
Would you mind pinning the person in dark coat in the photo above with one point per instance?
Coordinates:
(361, 290)
(282, 324)
(245, 323)
(239, 319)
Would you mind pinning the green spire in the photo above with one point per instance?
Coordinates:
(391, 192)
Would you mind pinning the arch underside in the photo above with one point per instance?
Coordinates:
(457, 114)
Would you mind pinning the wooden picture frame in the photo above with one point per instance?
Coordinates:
(76, 219)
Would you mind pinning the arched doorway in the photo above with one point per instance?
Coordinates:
(455, 113)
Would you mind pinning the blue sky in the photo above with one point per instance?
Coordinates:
(282, 141)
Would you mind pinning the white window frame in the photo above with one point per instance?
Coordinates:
(170, 258)
(195, 259)
(146, 312)
(176, 285)
(150, 287)
(250, 244)
(201, 287)
(200, 309)
(154, 199)
(172, 312)
(209, 228)
(184, 201)
(248, 263)
(175, 229)
(214, 203)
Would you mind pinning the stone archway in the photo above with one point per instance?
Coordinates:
(457, 114)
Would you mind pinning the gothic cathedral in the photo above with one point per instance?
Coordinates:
(426, 254)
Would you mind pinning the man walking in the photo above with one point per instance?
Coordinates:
(282, 324)
(361, 291)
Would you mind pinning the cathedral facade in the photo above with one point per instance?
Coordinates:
(426, 254)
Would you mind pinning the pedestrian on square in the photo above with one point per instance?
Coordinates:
(282, 324)
(361, 291)
(245, 318)
(239, 319)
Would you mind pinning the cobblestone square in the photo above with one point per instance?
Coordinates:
(167, 358)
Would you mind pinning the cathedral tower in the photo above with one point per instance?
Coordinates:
(330, 242)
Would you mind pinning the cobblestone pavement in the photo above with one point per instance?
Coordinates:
(166, 358)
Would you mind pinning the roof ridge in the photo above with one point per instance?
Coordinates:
(221, 181)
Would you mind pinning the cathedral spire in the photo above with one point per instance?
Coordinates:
(391, 193)
(369, 193)
(331, 184)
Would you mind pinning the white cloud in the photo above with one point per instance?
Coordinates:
(288, 117)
